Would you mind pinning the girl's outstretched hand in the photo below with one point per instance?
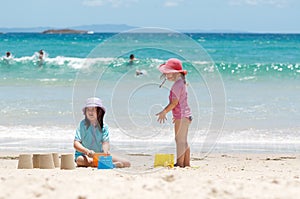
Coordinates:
(161, 116)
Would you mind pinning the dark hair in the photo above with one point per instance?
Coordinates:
(183, 77)
(100, 116)
(131, 56)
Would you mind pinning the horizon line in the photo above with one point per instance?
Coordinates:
(124, 27)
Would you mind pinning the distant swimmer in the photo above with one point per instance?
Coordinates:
(131, 58)
(41, 58)
(8, 58)
(140, 72)
(41, 54)
(8, 55)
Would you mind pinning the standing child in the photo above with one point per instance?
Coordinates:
(92, 135)
(182, 118)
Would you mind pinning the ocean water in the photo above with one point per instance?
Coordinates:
(244, 90)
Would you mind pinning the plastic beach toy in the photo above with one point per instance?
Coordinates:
(96, 158)
(105, 162)
(164, 160)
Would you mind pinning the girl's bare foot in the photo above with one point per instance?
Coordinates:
(118, 164)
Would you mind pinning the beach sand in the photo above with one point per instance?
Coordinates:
(239, 176)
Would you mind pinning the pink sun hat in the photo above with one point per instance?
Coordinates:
(173, 65)
(93, 102)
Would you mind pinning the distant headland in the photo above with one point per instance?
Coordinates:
(85, 29)
(64, 31)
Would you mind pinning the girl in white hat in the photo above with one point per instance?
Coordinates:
(92, 135)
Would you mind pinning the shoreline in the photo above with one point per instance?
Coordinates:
(219, 175)
(144, 148)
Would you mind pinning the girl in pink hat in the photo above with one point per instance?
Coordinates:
(178, 104)
(92, 135)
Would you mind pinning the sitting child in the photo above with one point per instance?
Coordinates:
(92, 136)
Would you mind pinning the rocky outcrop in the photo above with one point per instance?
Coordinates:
(64, 31)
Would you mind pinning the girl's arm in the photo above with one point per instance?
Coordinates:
(79, 147)
(105, 147)
(162, 115)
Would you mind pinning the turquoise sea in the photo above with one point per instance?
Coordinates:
(244, 90)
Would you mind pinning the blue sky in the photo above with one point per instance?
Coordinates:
(240, 15)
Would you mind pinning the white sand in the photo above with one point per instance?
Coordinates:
(240, 176)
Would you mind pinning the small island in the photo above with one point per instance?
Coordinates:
(64, 31)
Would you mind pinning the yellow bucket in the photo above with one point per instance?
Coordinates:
(164, 160)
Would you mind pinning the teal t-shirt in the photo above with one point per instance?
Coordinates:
(91, 138)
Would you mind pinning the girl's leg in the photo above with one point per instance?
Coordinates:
(187, 157)
(84, 161)
(182, 148)
(120, 162)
